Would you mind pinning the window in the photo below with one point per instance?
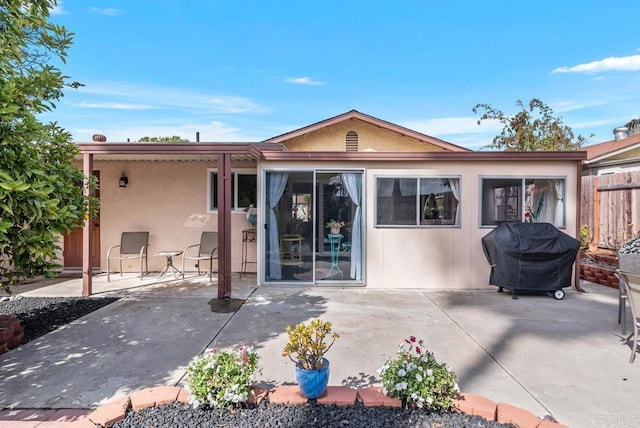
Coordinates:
(523, 199)
(417, 201)
(243, 189)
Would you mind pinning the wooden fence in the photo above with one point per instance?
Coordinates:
(610, 207)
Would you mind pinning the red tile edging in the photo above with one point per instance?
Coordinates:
(116, 410)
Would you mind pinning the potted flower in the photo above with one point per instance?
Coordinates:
(335, 226)
(629, 256)
(222, 378)
(417, 379)
(306, 347)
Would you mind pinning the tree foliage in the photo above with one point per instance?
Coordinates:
(171, 139)
(41, 191)
(533, 128)
(633, 125)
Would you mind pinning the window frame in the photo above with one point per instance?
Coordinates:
(523, 183)
(235, 173)
(418, 217)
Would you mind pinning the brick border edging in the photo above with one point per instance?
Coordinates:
(116, 410)
(11, 333)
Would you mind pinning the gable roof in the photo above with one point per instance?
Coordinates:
(600, 151)
(354, 114)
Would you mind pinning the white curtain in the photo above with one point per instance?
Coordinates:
(559, 214)
(353, 184)
(454, 184)
(277, 184)
(385, 186)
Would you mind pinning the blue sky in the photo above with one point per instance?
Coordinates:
(250, 70)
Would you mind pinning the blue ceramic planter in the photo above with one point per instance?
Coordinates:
(313, 383)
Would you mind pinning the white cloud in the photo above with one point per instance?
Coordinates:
(625, 63)
(155, 97)
(105, 11)
(113, 106)
(454, 126)
(565, 106)
(462, 131)
(303, 81)
(214, 131)
(58, 9)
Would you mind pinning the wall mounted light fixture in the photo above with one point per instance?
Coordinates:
(123, 180)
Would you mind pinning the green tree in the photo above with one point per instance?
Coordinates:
(172, 139)
(41, 191)
(533, 128)
(633, 125)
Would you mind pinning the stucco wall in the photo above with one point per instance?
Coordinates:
(370, 138)
(168, 199)
(441, 258)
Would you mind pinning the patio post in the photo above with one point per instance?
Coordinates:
(87, 236)
(224, 225)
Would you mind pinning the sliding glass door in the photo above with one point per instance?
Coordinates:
(313, 227)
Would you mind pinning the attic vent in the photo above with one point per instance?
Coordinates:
(352, 141)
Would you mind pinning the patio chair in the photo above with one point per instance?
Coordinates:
(622, 300)
(633, 296)
(207, 249)
(133, 245)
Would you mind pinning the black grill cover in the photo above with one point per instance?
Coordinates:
(530, 256)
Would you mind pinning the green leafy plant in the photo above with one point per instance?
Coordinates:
(308, 343)
(334, 224)
(416, 378)
(585, 232)
(221, 378)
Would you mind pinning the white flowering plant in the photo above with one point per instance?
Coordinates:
(222, 378)
(416, 378)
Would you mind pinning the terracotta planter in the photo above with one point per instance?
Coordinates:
(335, 231)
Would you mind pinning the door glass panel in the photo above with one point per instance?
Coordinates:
(338, 232)
(289, 233)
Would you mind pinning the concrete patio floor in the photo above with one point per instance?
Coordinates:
(560, 358)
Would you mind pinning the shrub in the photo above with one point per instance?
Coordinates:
(307, 343)
(221, 378)
(416, 378)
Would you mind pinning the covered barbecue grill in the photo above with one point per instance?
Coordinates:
(530, 257)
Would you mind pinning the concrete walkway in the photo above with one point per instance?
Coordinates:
(559, 358)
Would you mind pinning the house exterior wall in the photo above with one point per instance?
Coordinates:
(370, 138)
(439, 257)
(168, 199)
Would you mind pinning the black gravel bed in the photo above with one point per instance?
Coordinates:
(307, 415)
(40, 315)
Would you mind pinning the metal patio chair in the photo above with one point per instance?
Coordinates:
(133, 245)
(633, 296)
(622, 300)
(207, 250)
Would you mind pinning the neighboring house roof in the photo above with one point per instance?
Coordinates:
(354, 114)
(612, 157)
(610, 149)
